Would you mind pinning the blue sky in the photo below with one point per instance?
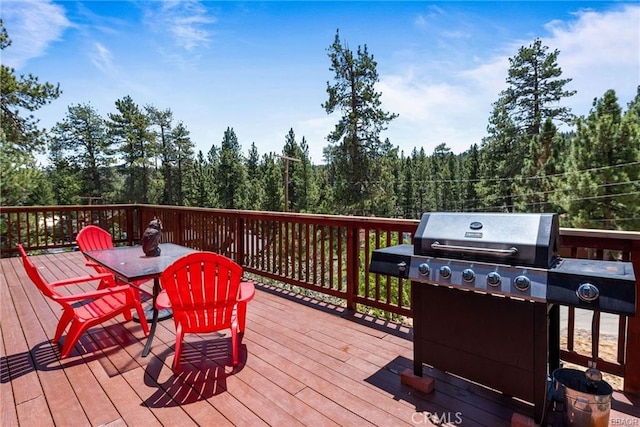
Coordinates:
(262, 67)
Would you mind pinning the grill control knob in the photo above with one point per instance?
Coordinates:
(493, 279)
(588, 292)
(522, 283)
(468, 275)
(424, 269)
(445, 271)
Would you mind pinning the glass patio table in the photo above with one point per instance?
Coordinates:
(130, 264)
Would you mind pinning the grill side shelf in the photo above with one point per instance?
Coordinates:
(392, 260)
(614, 281)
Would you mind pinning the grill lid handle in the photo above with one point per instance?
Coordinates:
(474, 250)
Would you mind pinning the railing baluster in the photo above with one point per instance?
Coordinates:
(622, 338)
(571, 324)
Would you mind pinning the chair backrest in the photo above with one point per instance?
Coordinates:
(35, 276)
(203, 288)
(92, 238)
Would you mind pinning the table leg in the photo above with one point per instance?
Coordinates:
(154, 320)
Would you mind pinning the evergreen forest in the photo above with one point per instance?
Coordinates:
(590, 174)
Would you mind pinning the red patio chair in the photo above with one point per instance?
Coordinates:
(92, 238)
(98, 306)
(205, 294)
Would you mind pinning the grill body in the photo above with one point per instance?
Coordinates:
(497, 342)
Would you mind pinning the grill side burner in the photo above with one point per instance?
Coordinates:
(607, 286)
(460, 263)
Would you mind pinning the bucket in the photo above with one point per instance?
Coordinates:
(587, 403)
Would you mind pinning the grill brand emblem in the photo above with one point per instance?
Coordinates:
(475, 225)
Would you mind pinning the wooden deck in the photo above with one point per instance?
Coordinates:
(302, 363)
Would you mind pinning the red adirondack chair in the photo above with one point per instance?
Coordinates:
(92, 238)
(205, 292)
(99, 305)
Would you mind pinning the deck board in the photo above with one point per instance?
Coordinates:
(303, 362)
(8, 414)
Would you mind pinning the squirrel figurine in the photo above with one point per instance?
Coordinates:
(151, 238)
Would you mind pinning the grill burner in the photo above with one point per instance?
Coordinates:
(460, 262)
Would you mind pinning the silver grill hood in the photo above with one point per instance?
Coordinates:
(527, 240)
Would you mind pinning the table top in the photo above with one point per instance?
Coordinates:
(130, 263)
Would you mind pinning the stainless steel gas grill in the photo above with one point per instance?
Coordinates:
(485, 292)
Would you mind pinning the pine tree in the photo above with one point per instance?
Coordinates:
(274, 195)
(425, 182)
(255, 177)
(535, 89)
(354, 144)
(543, 163)
(534, 95)
(291, 170)
(384, 168)
(446, 192)
(501, 160)
(184, 159)
(130, 130)
(79, 145)
(470, 176)
(166, 151)
(201, 183)
(601, 186)
(253, 163)
(20, 137)
(326, 198)
(231, 175)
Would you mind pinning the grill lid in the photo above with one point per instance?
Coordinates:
(521, 239)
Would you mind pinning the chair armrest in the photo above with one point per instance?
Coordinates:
(81, 279)
(162, 301)
(247, 291)
(94, 294)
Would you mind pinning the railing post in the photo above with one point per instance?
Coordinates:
(353, 266)
(632, 364)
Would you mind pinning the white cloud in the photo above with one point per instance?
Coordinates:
(599, 51)
(186, 22)
(32, 26)
(432, 111)
(101, 57)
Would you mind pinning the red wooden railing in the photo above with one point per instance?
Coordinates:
(323, 254)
